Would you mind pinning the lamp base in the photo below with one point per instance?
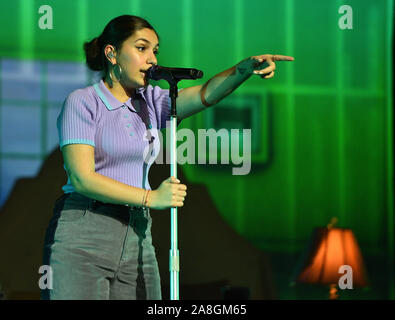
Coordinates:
(333, 292)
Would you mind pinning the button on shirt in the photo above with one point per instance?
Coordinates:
(124, 134)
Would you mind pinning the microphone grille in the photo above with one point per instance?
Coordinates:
(196, 74)
(199, 74)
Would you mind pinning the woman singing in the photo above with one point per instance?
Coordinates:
(98, 242)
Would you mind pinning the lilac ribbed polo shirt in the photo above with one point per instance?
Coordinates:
(121, 133)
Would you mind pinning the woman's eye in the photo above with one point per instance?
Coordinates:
(155, 52)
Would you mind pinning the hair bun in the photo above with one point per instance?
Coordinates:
(93, 55)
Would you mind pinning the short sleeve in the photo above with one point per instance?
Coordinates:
(162, 103)
(76, 121)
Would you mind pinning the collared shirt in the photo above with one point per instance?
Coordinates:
(124, 135)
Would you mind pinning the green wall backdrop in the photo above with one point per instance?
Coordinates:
(324, 124)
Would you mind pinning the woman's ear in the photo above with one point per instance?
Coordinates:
(109, 52)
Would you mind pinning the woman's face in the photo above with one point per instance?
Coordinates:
(137, 54)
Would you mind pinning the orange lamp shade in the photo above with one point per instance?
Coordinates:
(330, 249)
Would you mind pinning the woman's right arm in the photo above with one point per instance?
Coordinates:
(80, 165)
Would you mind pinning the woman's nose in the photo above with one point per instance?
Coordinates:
(152, 59)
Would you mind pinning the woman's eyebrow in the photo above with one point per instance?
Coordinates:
(146, 41)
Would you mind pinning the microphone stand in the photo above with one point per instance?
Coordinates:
(174, 257)
(173, 79)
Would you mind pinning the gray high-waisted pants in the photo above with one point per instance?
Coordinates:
(100, 251)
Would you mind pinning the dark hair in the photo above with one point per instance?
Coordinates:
(114, 33)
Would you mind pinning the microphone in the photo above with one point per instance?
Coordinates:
(158, 73)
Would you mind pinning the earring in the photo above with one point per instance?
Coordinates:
(116, 68)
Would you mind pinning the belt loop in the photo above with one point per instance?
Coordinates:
(145, 212)
(92, 204)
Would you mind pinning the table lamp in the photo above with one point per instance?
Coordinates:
(328, 250)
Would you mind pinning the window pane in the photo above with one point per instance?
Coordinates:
(63, 78)
(20, 80)
(20, 129)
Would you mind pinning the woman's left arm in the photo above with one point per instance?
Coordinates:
(194, 99)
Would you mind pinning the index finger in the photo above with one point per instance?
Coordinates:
(278, 57)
